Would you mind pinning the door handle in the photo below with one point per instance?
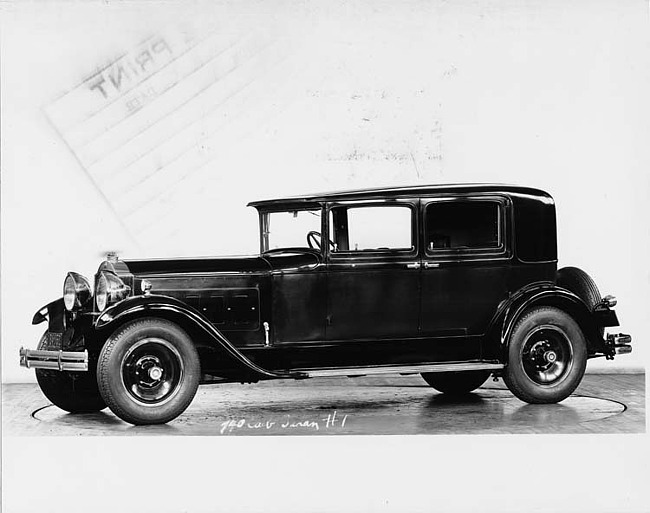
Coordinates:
(431, 265)
(415, 265)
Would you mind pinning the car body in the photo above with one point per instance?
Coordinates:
(455, 282)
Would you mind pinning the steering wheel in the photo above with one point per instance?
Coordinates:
(314, 240)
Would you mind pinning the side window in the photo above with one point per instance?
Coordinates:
(453, 226)
(372, 228)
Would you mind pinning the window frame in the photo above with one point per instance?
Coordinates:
(412, 252)
(264, 225)
(500, 252)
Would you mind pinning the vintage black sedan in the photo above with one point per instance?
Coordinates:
(453, 282)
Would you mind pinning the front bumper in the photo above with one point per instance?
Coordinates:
(54, 360)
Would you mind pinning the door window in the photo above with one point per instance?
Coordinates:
(372, 228)
(463, 226)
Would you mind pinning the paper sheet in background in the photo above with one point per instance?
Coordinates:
(145, 126)
(158, 128)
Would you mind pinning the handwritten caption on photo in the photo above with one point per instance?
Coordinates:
(331, 422)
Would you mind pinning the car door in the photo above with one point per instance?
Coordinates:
(298, 299)
(465, 268)
(373, 275)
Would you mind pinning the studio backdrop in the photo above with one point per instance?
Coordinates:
(145, 128)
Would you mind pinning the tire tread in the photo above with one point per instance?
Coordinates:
(59, 388)
(456, 383)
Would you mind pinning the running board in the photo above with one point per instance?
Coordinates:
(397, 369)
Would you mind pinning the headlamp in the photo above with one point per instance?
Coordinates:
(76, 291)
(109, 289)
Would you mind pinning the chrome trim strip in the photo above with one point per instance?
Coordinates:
(54, 360)
(401, 369)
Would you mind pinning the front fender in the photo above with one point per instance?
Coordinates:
(540, 294)
(54, 313)
(156, 305)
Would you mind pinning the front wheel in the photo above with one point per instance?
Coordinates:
(74, 392)
(148, 371)
(456, 383)
(547, 356)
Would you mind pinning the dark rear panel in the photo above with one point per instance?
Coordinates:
(535, 228)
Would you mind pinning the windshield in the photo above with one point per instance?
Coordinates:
(290, 229)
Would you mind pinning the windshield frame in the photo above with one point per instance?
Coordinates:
(264, 215)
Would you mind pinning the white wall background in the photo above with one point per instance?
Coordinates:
(548, 94)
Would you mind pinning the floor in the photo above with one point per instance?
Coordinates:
(603, 403)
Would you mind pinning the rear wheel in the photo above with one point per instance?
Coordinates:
(148, 371)
(547, 356)
(74, 392)
(456, 383)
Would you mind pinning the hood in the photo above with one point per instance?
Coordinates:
(198, 265)
(280, 261)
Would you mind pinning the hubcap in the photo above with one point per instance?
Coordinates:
(152, 370)
(547, 355)
(550, 356)
(155, 373)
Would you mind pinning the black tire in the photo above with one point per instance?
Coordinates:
(580, 283)
(148, 371)
(547, 356)
(74, 392)
(456, 383)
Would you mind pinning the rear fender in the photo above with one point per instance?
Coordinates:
(540, 294)
(154, 305)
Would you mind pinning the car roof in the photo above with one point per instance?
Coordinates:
(403, 191)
